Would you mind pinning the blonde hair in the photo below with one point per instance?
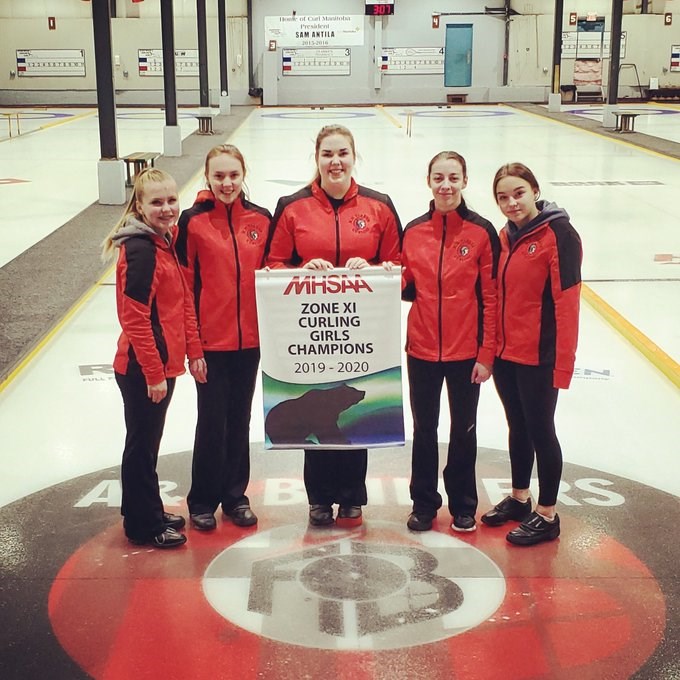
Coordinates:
(226, 150)
(327, 131)
(143, 179)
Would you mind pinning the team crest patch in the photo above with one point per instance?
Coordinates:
(463, 249)
(532, 249)
(252, 234)
(360, 223)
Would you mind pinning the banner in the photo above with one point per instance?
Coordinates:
(321, 30)
(331, 358)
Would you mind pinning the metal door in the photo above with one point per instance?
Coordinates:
(458, 55)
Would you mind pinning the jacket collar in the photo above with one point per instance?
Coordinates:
(205, 196)
(322, 196)
(547, 212)
(455, 217)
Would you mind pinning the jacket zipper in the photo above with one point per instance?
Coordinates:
(502, 319)
(440, 286)
(337, 236)
(237, 264)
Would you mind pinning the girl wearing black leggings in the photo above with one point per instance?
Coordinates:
(539, 283)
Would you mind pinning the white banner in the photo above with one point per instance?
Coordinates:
(331, 357)
(315, 31)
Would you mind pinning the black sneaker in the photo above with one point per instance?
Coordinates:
(535, 529)
(508, 509)
(463, 523)
(419, 522)
(320, 515)
(168, 539)
(175, 522)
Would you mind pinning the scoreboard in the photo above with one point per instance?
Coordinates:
(379, 8)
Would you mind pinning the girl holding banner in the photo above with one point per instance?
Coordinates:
(220, 245)
(334, 222)
(449, 265)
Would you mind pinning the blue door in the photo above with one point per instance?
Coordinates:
(458, 55)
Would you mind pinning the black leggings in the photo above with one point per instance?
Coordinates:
(529, 400)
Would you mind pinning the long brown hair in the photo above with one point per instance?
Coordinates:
(447, 156)
(327, 131)
(143, 179)
(516, 170)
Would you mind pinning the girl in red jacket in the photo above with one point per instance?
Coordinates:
(220, 245)
(449, 259)
(539, 284)
(159, 331)
(334, 222)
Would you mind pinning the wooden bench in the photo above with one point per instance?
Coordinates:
(625, 119)
(205, 126)
(136, 162)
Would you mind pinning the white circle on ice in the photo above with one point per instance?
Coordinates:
(378, 586)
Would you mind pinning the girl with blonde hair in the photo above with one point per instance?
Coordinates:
(158, 332)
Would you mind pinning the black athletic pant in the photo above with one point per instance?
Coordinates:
(336, 476)
(425, 384)
(220, 469)
(529, 400)
(142, 508)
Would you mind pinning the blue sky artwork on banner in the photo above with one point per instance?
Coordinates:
(331, 358)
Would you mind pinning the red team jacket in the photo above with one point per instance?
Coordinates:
(539, 285)
(449, 271)
(219, 248)
(306, 226)
(154, 306)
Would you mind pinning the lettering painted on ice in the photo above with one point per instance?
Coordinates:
(383, 491)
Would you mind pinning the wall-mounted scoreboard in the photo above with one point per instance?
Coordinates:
(379, 8)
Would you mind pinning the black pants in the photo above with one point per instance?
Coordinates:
(142, 508)
(220, 470)
(529, 400)
(425, 385)
(336, 476)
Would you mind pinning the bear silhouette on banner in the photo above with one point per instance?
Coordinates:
(315, 413)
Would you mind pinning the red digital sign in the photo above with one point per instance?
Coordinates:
(382, 9)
